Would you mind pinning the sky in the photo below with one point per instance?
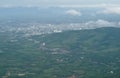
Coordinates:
(23, 3)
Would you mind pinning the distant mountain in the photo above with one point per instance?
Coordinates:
(93, 53)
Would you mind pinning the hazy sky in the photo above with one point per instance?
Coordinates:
(55, 2)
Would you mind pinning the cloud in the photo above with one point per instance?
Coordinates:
(100, 23)
(119, 23)
(54, 3)
(111, 10)
(57, 2)
(104, 22)
(90, 5)
(73, 12)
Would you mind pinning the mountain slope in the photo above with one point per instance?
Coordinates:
(70, 54)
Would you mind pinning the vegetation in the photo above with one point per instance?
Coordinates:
(71, 54)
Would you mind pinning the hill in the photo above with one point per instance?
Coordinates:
(71, 54)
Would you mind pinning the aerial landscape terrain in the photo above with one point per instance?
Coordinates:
(63, 41)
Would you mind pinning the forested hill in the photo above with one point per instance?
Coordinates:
(93, 53)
